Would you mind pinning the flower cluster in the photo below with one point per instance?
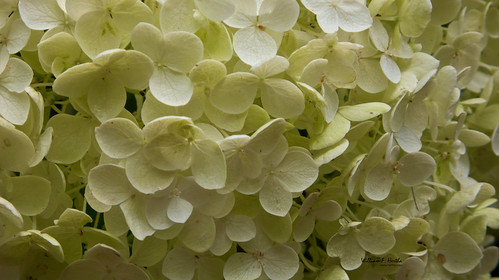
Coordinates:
(249, 139)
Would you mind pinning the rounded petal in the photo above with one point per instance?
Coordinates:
(106, 98)
(145, 177)
(109, 184)
(30, 194)
(278, 15)
(390, 68)
(364, 111)
(16, 76)
(178, 15)
(41, 15)
(235, 93)
(297, 171)
(72, 138)
(179, 210)
(271, 67)
(415, 167)
(208, 167)
(15, 107)
(282, 99)
(119, 137)
(328, 20)
(181, 51)
(216, 10)
(169, 152)
(134, 210)
(347, 249)
(170, 87)
(242, 266)
(96, 32)
(76, 81)
(379, 182)
(198, 233)
(280, 262)
(133, 69)
(254, 46)
(179, 264)
(353, 16)
(334, 132)
(275, 199)
(371, 77)
(457, 252)
(240, 228)
(376, 235)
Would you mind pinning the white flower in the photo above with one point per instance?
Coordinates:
(349, 15)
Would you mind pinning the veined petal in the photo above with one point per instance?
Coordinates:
(15, 106)
(245, 15)
(145, 177)
(119, 137)
(216, 10)
(281, 98)
(280, 262)
(178, 15)
(353, 16)
(253, 45)
(179, 210)
(297, 171)
(135, 216)
(41, 15)
(106, 98)
(170, 87)
(275, 199)
(328, 20)
(181, 51)
(278, 15)
(109, 184)
(209, 167)
(235, 93)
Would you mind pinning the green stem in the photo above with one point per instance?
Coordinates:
(307, 264)
(74, 190)
(97, 217)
